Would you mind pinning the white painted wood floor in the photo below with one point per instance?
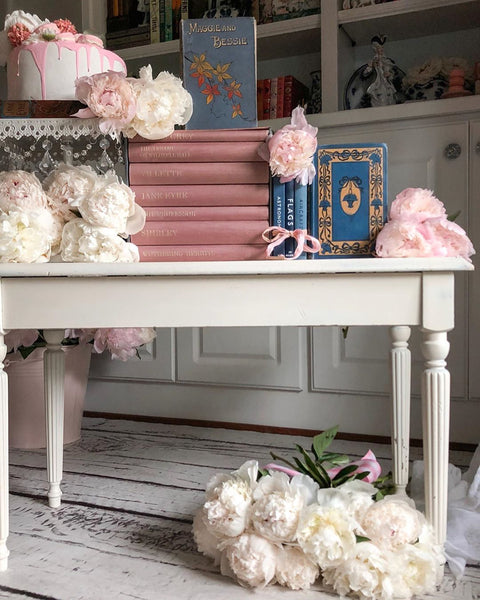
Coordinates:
(124, 529)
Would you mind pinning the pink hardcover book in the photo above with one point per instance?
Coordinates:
(202, 252)
(202, 195)
(195, 152)
(206, 213)
(252, 134)
(170, 233)
(198, 173)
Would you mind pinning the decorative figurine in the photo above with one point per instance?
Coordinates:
(382, 91)
(456, 84)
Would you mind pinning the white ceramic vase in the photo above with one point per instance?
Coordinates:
(26, 401)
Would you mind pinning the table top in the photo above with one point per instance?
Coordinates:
(233, 268)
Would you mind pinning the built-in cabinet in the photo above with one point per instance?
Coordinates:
(313, 378)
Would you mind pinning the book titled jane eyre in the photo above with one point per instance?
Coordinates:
(219, 71)
(352, 198)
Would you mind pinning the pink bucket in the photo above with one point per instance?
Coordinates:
(25, 396)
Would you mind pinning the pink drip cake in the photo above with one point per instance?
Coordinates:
(44, 59)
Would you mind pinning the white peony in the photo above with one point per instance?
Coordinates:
(82, 242)
(26, 236)
(162, 103)
(392, 522)
(326, 534)
(419, 568)
(277, 507)
(251, 558)
(20, 190)
(358, 497)
(112, 204)
(69, 185)
(207, 542)
(228, 509)
(294, 569)
(367, 571)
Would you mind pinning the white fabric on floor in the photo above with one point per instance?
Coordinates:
(463, 524)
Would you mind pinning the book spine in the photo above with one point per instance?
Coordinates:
(300, 210)
(280, 97)
(267, 85)
(278, 210)
(201, 195)
(289, 217)
(255, 134)
(206, 213)
(161, 19)
(197, 173)
(287, 96)
(195, 152)
(171, 233)
(183, 9)
(168, 20)
(273, 97)
(154, 21)
(312, 205)
(176, 16)
(201, 252)
(259, 99)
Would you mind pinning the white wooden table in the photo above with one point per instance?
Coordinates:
(399, 293)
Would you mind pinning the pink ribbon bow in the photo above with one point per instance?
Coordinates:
(276, 235)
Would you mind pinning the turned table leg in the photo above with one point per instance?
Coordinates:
(54, 372)
(3, 458)
(401, 368)
(436, 422)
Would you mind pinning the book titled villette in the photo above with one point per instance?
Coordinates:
(220, 71)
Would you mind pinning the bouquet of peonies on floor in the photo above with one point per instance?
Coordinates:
(77, 214)
(122, 342)
(320, 516)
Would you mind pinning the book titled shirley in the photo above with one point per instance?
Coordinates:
(206, 213)
(219, 70)
(202, 195)
(352, 198)
(198, 173)
(160, 233)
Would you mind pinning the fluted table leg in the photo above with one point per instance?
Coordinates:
(436, 423)
(54, 372)
(3, 458)
(401, 376)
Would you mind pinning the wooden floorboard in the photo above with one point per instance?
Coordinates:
(124, 529)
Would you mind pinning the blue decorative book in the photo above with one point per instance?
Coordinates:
(278, 210)
(352, 198)
(290, 243)
(300, 210)
(220, 71)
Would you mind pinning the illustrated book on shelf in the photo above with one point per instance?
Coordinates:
(219, 70)
(351, 205)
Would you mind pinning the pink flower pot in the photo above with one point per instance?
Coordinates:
(25, 396)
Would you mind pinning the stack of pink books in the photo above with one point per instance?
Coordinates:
(205, 193)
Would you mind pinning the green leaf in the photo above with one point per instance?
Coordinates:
(323, 440)
(335, 459)
(262, 473)
(344, 332)
(346, 471)
(284, 460)
(454, 216)
(361, 538)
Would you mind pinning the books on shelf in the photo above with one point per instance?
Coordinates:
(204, 189)
(219, 70)
(278, 96)
(39, 109)
(280, 10)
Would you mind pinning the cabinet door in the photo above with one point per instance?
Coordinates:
(474, 278)
(416, 158)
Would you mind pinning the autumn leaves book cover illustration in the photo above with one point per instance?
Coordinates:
(219, 71)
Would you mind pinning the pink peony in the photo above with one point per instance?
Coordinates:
(416, 203)
(448, 238)
(20, 337)
(20, 190)
(109, 96)
(122, 342)
(367, 464)
(290, 150)
(402, 238)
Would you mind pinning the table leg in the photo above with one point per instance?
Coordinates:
(401, 369)
(3, 458)
(54, 372)
(436, 422)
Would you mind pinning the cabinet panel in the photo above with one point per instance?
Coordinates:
(260, 357)
(474, 278)
(416, 158)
